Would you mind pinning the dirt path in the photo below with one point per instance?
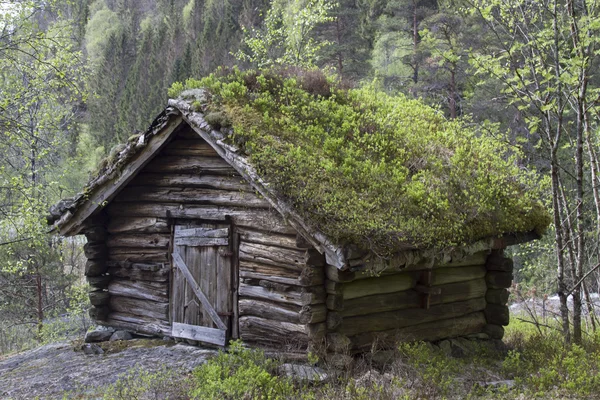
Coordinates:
(49, 371)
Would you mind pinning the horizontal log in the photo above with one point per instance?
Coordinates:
(399, 319)
(138, 325)
(313, 314)
(139, 240)
(252, 218)
(378, 267)
(494, 331)
(496, 314)
(300, 298)
(95, 250)
(334, 320)
(101, 281)
(148, 308)
(138, 255)
(430, 331)
(497, 296)
(190, 147)
(191, 196)
(283, 271)
(158, 275)
(138, 225)
(449, 293)
(498, 280)
(189, 164)
(269, 310)
(99, 298)
(99, 313)
(458, 274)
(273, 255)
(338, 342)
(499, 263)
(283, 287)
(154, 291)
(95, 234)
(283, 333)
(308, 277)
(378, 285)
(269, 238)
(233, 182)
(95, 267)
(316, 332)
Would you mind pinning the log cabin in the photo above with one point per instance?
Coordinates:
(188, 237)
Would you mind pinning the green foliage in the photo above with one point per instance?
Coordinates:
(286, 36)
(240, 373)
(373, 169)
(434, 371)
(138, 383)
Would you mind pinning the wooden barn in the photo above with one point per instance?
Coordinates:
(186, 240)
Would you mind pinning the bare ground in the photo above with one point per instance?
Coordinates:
(54, 370)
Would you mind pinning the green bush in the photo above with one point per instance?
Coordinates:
(240, 373)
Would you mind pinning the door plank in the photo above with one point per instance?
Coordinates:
(201, 241)
(200, 333)
(205, 303)
(203, 233)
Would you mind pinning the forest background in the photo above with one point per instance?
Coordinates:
(79, 77)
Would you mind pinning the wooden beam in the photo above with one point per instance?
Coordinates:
(199, 333)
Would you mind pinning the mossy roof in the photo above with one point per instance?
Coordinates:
(364, 167)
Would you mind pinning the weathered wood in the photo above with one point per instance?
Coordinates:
(334, 319)
(190, 147)
(138, 255)
(389, 284)
(496, 314)
(300, 298)
(334, 302)
(100, 282)
(148, 308)
(332, 287)
(269, 238)
(106, 192)
(201, 233)
(199, 333)
(497, 296)
(138, 225)
(316, 332)
(399, 319)
(313, 314)
(147, 267)
(99, 297)
(499, 263)
(189, 164)
(99, 313)
(338, 343)
(269, 310)
(252, 218)
(235, 274)
(151, 240)
(233, 183)
(429, 331)
(494, 331)
(95, 250)
(334, 274)
(139, 324)
(449, 293)
(257, 329)
(95, 267)
(273, 255)
(268, 269)
(161, 275)
(498, 280)
(201, 241)
(283, 287)
(154, 291)
(191, 196)
(95, 234)
(458, 274)
(308, 276)
(201, 296)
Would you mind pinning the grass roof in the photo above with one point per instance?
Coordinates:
(372, 169)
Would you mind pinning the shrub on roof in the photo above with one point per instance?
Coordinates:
(384, 172)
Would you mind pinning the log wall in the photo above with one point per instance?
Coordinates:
(281, 294)
(447, 300)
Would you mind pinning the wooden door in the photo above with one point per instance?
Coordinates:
(202, 293)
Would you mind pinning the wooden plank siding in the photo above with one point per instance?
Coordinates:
(281, 283)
